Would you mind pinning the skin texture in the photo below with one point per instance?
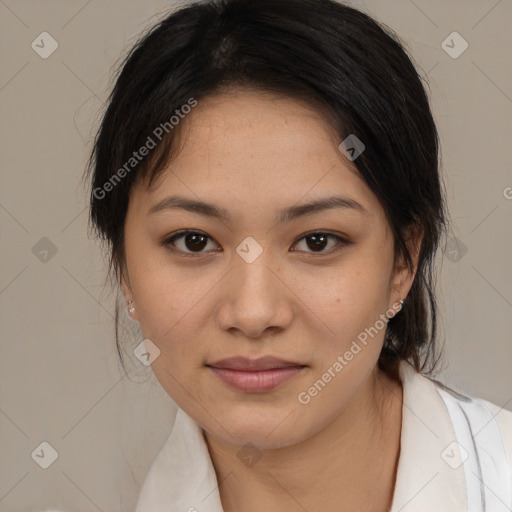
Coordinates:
(254, 154)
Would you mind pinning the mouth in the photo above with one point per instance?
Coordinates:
(255, 375)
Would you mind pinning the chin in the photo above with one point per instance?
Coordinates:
(261, 426)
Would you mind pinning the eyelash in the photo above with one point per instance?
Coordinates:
(169, 242)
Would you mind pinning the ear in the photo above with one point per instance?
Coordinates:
(129, 301)
(403, 276)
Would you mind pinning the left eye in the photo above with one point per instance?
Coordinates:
(319, 240)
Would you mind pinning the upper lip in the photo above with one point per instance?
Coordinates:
(245, 364)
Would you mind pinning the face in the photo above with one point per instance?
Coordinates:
(257, 275)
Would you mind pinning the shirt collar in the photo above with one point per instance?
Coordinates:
(426, 479)
(182, 477)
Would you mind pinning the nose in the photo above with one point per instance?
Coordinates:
(255, 299)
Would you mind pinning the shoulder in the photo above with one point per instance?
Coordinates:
(488, 426)
(479, 411)
(486, 423)
(502, 418)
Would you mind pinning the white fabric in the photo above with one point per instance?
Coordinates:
(487, 471)
(428, 482)
(439, 430)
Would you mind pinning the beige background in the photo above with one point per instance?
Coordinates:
(60, 376)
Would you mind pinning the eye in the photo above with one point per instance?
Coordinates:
(189, 242)
(319, 240)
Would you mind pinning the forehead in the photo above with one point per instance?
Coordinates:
(245, 123)
(260, 148)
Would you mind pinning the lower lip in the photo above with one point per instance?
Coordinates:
(256, 381)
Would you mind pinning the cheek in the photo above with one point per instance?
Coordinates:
(172, 314)
(350, 297)
(174, 308)
(169, 306)
(164, 291)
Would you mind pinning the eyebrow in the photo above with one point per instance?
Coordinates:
(286, 215)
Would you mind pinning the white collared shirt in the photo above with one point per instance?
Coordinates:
(455, 456)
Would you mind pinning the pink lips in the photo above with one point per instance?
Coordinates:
(255, 375)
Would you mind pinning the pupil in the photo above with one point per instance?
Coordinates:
(319, 241)
(195, 240)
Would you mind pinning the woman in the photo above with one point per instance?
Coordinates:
(266, 176)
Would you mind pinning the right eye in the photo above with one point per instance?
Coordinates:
(187, 242)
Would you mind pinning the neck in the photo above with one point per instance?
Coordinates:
(349, 465)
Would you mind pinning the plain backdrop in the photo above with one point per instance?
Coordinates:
(60, 379)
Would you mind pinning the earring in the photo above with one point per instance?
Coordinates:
(131, 309)
(401, 303)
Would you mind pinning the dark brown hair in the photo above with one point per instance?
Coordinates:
(329, 55)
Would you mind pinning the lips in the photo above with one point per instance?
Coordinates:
(248, 365)
(255, 375)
